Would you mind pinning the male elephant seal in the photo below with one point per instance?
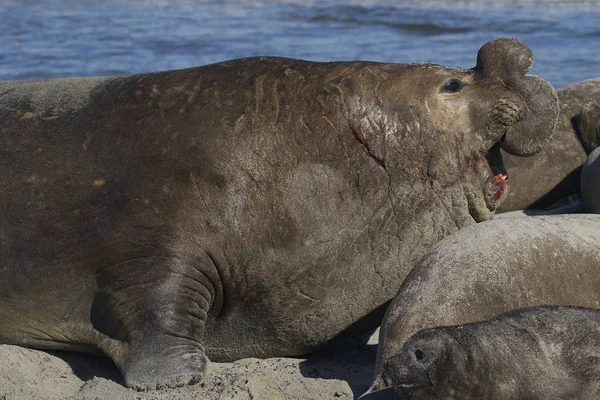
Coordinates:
(540, 181)
(494, 267)
(252, 208)
(537, 353)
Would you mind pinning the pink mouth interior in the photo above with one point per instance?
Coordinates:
(501, 182)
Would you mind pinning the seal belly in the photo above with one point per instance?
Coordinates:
(292, 282)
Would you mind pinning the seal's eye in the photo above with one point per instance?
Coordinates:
(419, 355)
(452, 86)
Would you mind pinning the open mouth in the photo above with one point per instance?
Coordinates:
(498, 174)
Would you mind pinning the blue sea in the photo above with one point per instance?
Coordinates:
(63, 38)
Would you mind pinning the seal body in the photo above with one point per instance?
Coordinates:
(492, 268)
(540, 181)
(252, 208)
(535, 353)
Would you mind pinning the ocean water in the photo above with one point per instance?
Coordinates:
(63, 38)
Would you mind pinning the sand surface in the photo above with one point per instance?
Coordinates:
(343, 372)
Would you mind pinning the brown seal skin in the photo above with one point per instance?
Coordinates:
(494, 267)
(534, 353)
(553, 174)
(252, 208)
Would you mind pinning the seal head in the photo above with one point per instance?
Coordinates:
(531, 353)
(415, 367)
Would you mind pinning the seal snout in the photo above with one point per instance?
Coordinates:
(409, 369)
(526, 107)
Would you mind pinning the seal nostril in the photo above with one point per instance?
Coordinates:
(419, 355)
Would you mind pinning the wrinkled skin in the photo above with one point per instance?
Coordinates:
(538, 353)
(491, 268)
(253, 208)
(542, 180)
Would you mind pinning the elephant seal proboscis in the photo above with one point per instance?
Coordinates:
(233, 210)
(540, 181)
(537, 353)
(491, 268)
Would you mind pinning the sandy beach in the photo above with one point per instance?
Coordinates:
(343, 371)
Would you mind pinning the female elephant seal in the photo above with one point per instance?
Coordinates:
(232, 210)
(537, 353)
(494, 267)
(540, 181)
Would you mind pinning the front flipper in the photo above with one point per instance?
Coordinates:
(157, 307)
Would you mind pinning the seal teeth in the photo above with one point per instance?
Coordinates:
(500, 177)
